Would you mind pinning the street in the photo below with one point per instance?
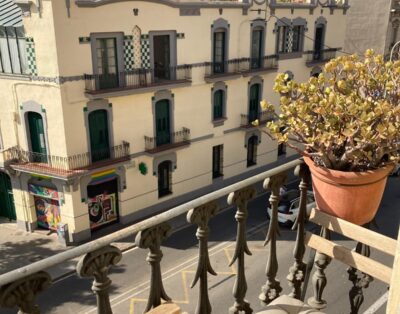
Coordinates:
(131, 278)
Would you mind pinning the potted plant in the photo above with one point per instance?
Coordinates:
(346, 124)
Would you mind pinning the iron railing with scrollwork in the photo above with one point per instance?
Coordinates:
(20, 287)
(137, 78)
(52, 163)
(166, 139)
(246, 120)
(323, 55)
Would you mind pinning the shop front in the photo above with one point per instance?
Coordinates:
(103, 201)
(47, 206)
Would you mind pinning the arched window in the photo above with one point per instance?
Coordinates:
(163, 122)
(164, 178)
(219, 101)
(37, 138)
(254, 102)
(99, 135)
(252, 150)
(257, 43)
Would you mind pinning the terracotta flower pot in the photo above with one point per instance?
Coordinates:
(352, 196)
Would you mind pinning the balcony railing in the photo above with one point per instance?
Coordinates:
(8, 155)
(66, 165)
(20, 287)
(262, 117)
(136, 79)
(320, 56)
(259, 64)
(227, 68)
(290, 3)
(166, 141)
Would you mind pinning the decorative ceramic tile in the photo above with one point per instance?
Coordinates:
(128, 53)
(31, 56)
(145, 52)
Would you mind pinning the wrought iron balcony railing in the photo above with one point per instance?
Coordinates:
(67, 165)
(20, 287)
(246, 120)
(320, 56)
(164, 141)
(227, 68)
(259, 64)
(8, 155)
(137, 78)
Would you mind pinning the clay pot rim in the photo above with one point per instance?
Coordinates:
(348, 177)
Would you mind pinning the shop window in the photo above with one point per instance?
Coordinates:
(217, 161)
(13, 50)
(164, 178)
(252, 151)
(103, 203)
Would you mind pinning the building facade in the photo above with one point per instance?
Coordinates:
(373, 24)
(115, 110)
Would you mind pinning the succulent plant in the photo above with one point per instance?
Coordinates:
(347, 118)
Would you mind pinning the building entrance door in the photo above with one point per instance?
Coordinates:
(7, 207)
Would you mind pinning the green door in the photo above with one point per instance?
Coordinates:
(254, 102)
(99, 138)
(7, 208)
(163, 128)
(37, 137)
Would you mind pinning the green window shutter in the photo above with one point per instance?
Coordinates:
(37, 137)
(163, 127)
(254, 102)
(99, 135)
(218, 104)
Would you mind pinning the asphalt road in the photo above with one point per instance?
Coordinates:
(131, 279)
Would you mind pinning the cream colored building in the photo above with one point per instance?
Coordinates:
(114, 110)
(373, 24)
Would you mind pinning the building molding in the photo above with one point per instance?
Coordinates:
(170, 3)
(250, 133)
(171, 156)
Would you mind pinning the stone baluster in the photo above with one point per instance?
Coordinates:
(240, 199)
(297, 271)
(272, 288)
(151, 239)
(360, 280)
(200, 216)
(22, 293)
(97, 264)
(319, 278)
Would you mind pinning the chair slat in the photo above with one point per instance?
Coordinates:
(348, 257)
(358, 233)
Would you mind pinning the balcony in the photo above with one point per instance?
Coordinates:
(322, 56)
(137, 81)
(24, 287)
(8, 155)
(262, 117)
(167, 141)
(31, 162)
(252, 66)
(228, 70)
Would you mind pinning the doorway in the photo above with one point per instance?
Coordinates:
(319, 42)
(37, 137)
(163, 123)
(7, 207)
(162, 57)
